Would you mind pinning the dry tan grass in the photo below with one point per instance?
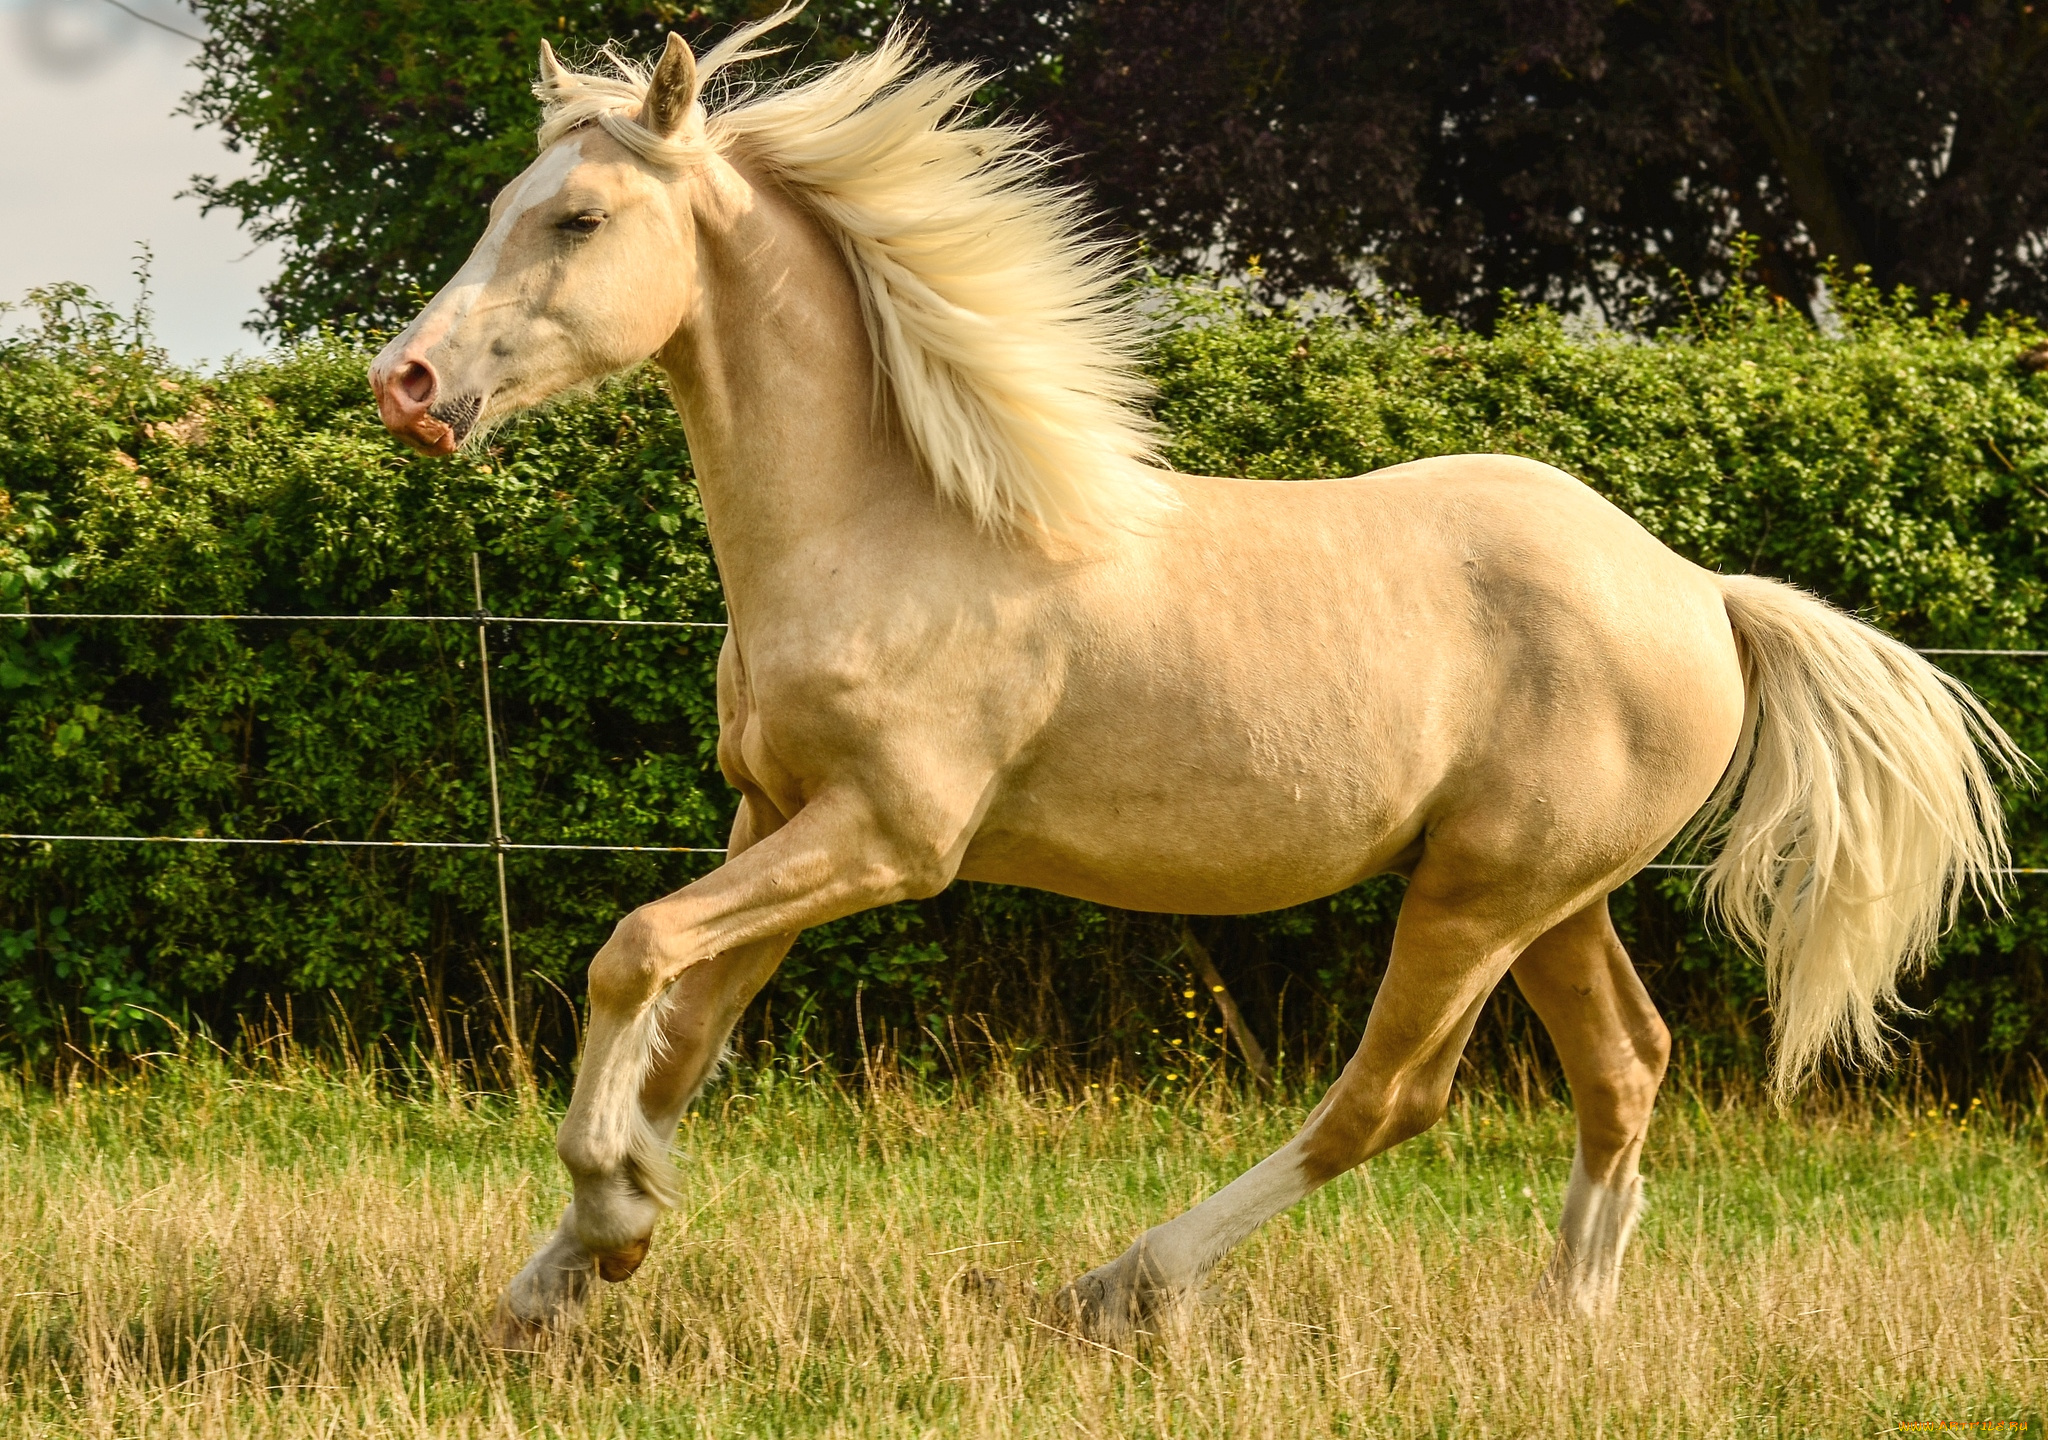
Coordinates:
(286, 1252)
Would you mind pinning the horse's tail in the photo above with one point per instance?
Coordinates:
(1866, 809)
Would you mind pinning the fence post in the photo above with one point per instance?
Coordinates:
(483, 660)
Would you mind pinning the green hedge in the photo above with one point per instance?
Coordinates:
(1900, 468)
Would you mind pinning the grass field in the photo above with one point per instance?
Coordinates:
(281, 1249)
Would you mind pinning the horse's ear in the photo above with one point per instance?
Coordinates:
(551, 71)
(672, 91)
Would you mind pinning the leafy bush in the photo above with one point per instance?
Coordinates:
(1900, 468)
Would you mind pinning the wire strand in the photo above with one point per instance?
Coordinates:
(562, 845)
(360, 844)
(2008, 870)
(374, 619)
(578, 620)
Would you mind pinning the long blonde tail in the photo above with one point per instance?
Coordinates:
(1866, 809)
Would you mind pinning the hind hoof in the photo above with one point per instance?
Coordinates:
(1116, 1303)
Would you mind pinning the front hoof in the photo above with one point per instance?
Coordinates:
(1568, 1295)
(1114, 1303)
(618, 1265)
(513, 1335)
(545, 1297)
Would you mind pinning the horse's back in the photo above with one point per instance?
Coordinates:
(1482, 552)
(1464, 570)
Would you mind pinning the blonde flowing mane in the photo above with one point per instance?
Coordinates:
(1001, 343)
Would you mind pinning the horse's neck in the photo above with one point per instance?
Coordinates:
(776, 387)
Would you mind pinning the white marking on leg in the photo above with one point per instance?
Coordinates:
(1168, 1261)
(1585, 1271)
(1178, 1254)
(620, 1134)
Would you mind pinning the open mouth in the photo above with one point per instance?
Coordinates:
(458, 414)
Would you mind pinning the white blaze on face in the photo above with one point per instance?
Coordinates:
(537, 186)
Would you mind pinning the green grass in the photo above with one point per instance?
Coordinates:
(284, 1249)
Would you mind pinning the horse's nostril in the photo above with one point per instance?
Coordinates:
(416, 380)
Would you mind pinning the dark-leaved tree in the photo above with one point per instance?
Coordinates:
(1560, 150)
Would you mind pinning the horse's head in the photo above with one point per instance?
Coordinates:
(585, 268)
(754, 248)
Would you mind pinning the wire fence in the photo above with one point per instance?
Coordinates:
(477, 618)
(498, 843)
(481, 619)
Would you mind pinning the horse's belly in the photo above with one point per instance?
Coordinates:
(1241, 747)
(1206, 846)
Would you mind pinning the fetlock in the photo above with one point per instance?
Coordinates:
(614, 1221)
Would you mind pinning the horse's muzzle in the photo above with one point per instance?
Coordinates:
(410, 405)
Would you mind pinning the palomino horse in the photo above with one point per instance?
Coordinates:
(975, 633)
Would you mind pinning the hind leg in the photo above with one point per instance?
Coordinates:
(1450, 949)
(1578, 979)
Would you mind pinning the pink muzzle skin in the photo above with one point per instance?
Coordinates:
(405, 392)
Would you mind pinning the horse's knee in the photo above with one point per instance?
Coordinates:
(627, 972)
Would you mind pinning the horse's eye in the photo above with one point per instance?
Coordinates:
(583, 224)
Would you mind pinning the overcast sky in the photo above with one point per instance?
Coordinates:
(95, 164)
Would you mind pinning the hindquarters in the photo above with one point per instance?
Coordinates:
(1611, 699)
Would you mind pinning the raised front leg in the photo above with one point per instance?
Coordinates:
(695, 1018)
(1613, 1047)
(665, 992)
(1445, 963)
